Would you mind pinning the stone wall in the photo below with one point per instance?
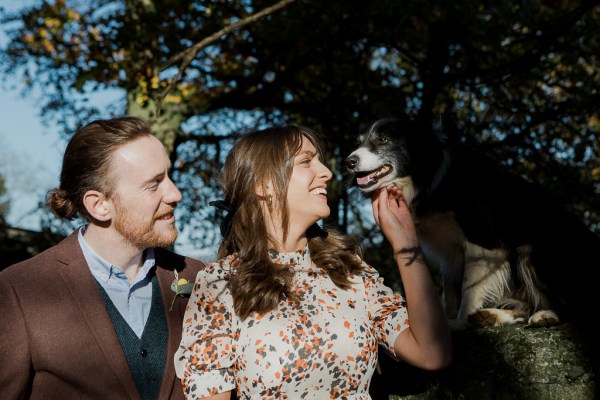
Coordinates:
(502, 363)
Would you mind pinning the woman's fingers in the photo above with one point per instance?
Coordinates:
(381, 204)
(388, 198)
(375, 199)
(396, 197)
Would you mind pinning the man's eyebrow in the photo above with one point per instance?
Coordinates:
(156, 177)
(160, 175)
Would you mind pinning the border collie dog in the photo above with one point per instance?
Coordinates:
(505, 250)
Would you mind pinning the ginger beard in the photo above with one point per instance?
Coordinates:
(142, 233)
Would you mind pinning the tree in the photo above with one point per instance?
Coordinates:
(519, 80)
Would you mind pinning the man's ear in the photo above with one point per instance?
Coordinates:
(97, 205)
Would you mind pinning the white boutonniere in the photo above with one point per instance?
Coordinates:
(182, 287)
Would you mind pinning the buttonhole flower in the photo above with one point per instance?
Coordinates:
(181, 286)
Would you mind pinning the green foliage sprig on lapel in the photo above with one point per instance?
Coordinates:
(182, 287)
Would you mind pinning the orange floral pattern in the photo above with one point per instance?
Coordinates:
(324, 346)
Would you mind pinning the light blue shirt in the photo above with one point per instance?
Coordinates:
(133, 300)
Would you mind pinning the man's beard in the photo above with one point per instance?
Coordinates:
(140, 233)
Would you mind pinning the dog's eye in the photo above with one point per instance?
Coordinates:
(382, 140)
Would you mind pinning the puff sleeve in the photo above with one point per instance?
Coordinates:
(387, 310)
(205, 357)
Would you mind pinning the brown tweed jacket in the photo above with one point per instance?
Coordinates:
(57, 340)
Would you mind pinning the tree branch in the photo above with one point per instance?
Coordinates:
(188, 55)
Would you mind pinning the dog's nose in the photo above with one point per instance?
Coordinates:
(351, 162)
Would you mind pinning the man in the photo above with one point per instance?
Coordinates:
(95, 316)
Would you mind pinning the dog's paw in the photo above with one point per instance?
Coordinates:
(496, 317)
(543, 318)
(483, 318)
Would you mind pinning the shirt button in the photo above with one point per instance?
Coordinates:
(144, 353)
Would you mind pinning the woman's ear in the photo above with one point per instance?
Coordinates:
(264, 189)
(265, 192)
(97, 205)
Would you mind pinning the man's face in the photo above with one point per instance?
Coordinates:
(145, 196)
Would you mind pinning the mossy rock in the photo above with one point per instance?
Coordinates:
(504, 363)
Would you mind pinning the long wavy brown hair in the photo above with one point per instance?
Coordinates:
(257, 284)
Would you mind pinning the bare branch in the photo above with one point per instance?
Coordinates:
(189, 54)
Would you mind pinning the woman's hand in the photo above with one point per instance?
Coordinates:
(393, 216)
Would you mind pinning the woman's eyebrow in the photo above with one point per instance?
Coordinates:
(307, 152)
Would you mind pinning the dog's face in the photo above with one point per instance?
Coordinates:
(382, 158)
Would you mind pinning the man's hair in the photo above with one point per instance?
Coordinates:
(87, 163)
(256, 159)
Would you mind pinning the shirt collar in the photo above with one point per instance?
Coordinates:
(105, 271)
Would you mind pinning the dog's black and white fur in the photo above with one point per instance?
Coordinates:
(506, 251)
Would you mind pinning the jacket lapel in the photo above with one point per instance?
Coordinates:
(86, 295)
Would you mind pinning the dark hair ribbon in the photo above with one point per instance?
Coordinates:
(224, 205)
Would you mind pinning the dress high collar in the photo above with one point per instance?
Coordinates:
(299, 257)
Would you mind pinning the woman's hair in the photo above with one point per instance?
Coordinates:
(87, 161)
(258, 284)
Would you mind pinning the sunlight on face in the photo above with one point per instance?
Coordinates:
(145, 195)
(307, 189)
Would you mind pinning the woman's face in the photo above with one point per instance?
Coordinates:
(307, 190)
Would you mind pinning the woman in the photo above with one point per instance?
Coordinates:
(290, 310)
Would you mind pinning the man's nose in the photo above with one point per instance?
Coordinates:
(173, 194)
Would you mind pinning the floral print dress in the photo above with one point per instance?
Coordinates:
(324, 346)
